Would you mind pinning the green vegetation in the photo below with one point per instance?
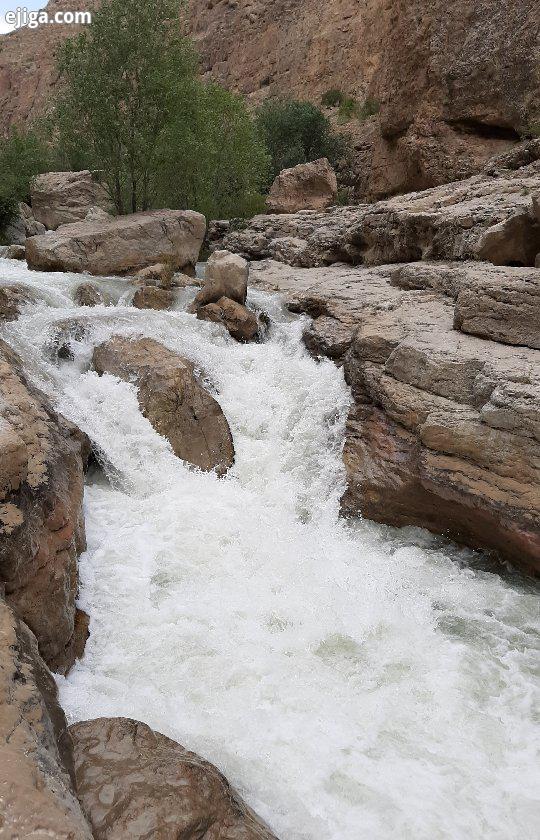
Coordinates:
(22, 156)
(297, 132)
(332, 98)
(134, 107)
(348, 108)
(370, 108)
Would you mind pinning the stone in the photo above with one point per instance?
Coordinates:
(172, 399)
(241, 322)
(89, 295)
(97, 214)
(160, 274)
(15, 252)
(135, 782)
(444, 432)
(22, 226)
(37, 778)
(153, 297)
(42, 533)
(121, 245)
(308, 186)
(226, 275)
(12, 299)
(61, 198)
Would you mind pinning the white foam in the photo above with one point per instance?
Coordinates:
(352, 682)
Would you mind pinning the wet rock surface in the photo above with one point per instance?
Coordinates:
(122, 245)
(172, 399)
(239, 321)
(134, 782)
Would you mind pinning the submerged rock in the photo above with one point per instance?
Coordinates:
(241, 322)
(172, 399)
(12, 299)
(152, 297)
(37, 778)
(135, 782)
(120, 245)
(89, 295)
(308, 186)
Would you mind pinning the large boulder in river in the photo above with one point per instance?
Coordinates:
(41, 518)
(226, 275)
(60, 198)
(37, 792)
(308, 186)
(134, 782)
(121, 245)
(172, 399)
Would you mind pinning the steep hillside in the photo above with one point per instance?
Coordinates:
(456, 81)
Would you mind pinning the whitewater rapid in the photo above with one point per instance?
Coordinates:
(352, 681)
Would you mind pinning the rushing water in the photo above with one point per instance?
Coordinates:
(352, 681)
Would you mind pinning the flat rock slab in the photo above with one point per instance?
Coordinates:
(172, 399)
(121, 245)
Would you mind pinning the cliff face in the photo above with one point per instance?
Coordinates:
(456, 81)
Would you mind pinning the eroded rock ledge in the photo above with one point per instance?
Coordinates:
(445, 428)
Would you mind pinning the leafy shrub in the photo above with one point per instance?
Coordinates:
(370, 108)
(297, 132)
(347, 109)
(332, 98)
(23, 155)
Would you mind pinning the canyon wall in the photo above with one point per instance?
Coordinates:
(456, 81)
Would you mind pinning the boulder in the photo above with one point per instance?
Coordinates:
(37, 779)
(134, 782)
(160, 274)
(89, 295)
(172, 399)
(121, 245)
(22, 226)
(15, 252)
(226, 275)
(240, 321)
(444, 432)
(60, 198)
(308, 186)
(12, 299)
(153, 297)
(41, 519)
(97, 214)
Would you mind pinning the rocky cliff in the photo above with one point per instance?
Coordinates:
(456, 82)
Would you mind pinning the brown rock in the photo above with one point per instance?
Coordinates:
(226, 275)
(121, 245)
(309, 186)
(89, 295)
(152, 297)
(240, 321)
(36, 763)
(15, 252)
(60, 198)
(172, 400)
(160, 274)
(134, 782)
(41, 519)
(12, 299)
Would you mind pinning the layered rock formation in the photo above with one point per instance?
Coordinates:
(60, 198)
(122, 245)
(172, 400)
(133, 780)
(456, 83)
(41, 521)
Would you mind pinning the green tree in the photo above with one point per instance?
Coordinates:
(125, 76)
(297, 132)
(23, 155)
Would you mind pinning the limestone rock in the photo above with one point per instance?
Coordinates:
(60, 198)
(89, 295)
(152, 297)
(172, 400)
(41, 518)
(120, 245)
(308, 186)
(37, 777)
(226, 276)
(240, 321)
(133, 781)
(445, 430)
(12, 299)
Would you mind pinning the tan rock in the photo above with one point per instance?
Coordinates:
(152, 297)
(240, 321)
(160, 274)
(308, 186)
(172, 400)
(36, 763)
(133, 781)
(89, 295)
(12, 299)
(41, 519)
(15, 252)
(226, 276)
(60, 198)
(121, 245)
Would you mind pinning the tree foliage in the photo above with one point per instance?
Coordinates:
(297, 132)
(23, 155)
